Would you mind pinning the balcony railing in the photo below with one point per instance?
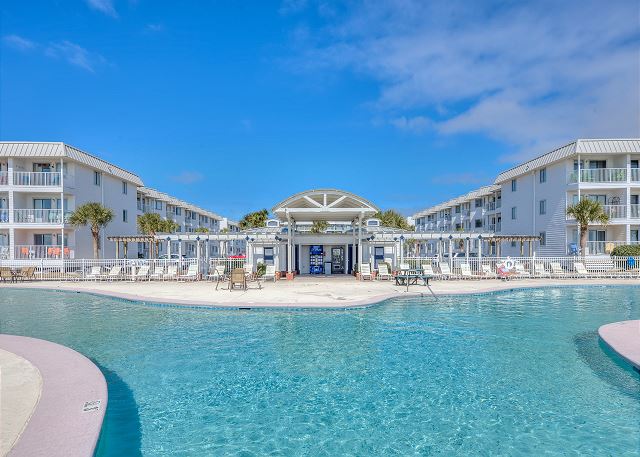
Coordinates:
(4, 216)
(37, 178)
(599, 175)
(491, 206)
(635, 175)
(42, 251)
(37, 216)
(615, 211)
(144, 208)
(4, 178)
(603, 247)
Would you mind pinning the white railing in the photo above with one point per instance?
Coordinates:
(32, 251)
(4, 216)
(615, 211)
(491, 206)
(635, 175)
(603, 247)
(37, 216)
(4, 178)
(634, 212)
(599, 175)
(37, 178)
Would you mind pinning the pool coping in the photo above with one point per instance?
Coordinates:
(623, 338)
(62, 424)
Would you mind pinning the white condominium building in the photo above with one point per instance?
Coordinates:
(531, 199)
(235, 247)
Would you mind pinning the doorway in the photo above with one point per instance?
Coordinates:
(337, 261)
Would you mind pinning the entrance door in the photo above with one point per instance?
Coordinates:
(337, 261)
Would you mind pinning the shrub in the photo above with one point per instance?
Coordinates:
(261, 269)
(626, 250)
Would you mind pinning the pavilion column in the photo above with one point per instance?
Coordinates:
(521, 248)
(117, 249)
(450, 253)
(480, 250)
(360, 242)
(530, 248)
(126, 246)
(346, 258)
(168, 249)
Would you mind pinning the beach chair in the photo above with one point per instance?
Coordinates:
(26, 273)
(270, 273)
(114, 273)
(445, 271)
(191, 275)
(248, 270)
(404, 266)
(156, 272)
(6, 275)
(95, 273)
(172, 272)
(427, 270)
(487, 272)
(142, 273)
(520, 271)
(365, 271)
(383, 271)
(465, 271)
(217, 273)
(539, 271)
(581, 270)
(557, 271)
(238, 277)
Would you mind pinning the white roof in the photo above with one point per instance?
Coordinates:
(602, 146)
(481, 192)
(324, 204)
(58, 149)
(173, 201)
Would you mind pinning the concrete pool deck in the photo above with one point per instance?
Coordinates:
(624, 339)
(303, 292)
(51, 406)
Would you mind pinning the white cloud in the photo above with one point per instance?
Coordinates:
(18, 42)
(188, 177)
(155, 28)
(75, 55)
(103, 6)
(530, 75)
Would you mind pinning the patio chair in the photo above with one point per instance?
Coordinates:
(520, 271)
(427, 270)
(248, 270)
(217, 273)
(581, 270)
(557, 271)
(95, 273)
(238, 278)
(172, 272)
(142, 273)
(487, 272)
(445, 271)
(156, 273)
(191, 275)
(114, 273)
(404, 266)
(465, 271)
(539, 271)
(270, 273)
(26, 273)
(383, 271)
(365, 272)
(6, 275)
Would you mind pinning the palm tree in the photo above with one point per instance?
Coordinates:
(96, 216)
(152, 224)
(319, 226)
(394, 219)
(585, 212)
(254, 220)
(202, 230)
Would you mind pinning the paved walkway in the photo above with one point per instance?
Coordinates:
(302, 292)
(624, 339)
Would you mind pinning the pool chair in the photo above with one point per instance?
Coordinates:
(383, 272)
(238, 278)
(487, 272)
(248, 271)
(557, 271)
(6, 274)
(114, 273)
(217, 274)
(404, 267)
(156, 273)
(465, 271)
(191, 275)
(520, 272)
(365, 272)
(580, 269)
(270, 273)
(172, 272)
(141, 274)
(26, 273)
(539, 271)
(445, 271)
(95, 273)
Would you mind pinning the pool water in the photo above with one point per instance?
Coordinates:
(514, 373)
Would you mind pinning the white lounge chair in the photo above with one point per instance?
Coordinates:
(95, 273)
(191, 275)
(383, 271)
(557, 271)
(445, 271)
(539, 271)
(580, 269)
(521, 272)
(487, 272)
(172, 272)
(270, 273)
(114, 273)
(142, 273)
(365, 271)
(217, 274)
(248, 270)
(157, 272)
(404, 266)
(465, 271)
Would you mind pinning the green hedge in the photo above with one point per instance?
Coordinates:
(626, 250)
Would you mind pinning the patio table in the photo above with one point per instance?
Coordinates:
(411, 277)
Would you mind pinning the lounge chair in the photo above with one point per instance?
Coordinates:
(248, 270)
(427, 270)
(445, 271)
(580, 269)
(487, 272)
(156, 273)
(26, 273)
(191, 275)
(520, 271)
(270, 273)
(217, 274)
(557, 271)
(465, 271)
(172, 272)
(95, 273)
(238, 278)
(539, 271)
(114, 273)
(383, 272)
(404, 267)
(504, 273)
(6, 275)
(365, 271)
(142, 273)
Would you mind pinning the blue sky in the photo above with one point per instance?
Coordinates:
(236, 105)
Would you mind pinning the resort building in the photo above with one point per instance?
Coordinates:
(41, 183)
(532, 198)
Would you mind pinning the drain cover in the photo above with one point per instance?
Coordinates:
(91, 406)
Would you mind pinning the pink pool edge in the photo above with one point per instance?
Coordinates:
(68, 417)
(624, 339)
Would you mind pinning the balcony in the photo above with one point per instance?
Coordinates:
(599, 175)
(30, 251)
(4, 216)
(615, 211)
(491, 206)
(4, 178)
(144, 208)
(37, 216)
(634, 212)
(635, 175)
(37, 178)
(604, 247)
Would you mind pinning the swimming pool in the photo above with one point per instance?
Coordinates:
(515, 373)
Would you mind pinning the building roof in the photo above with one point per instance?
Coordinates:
(173, 201)
(480, 192)
(324, 204)
(58, 149)
(588, 146)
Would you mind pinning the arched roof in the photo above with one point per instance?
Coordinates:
(324, 204)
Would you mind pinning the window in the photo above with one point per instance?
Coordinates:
(158, 204)
(635, 164)
(97, 178)
(514, 213)
(478, 223)
(543, 175)
(513, 244)
(543, 207)
(178, 211)
(457, 209)
(478, 203)
(597, 164)
(124, 187)
(514, 185)
(124, 215)
(543, 238)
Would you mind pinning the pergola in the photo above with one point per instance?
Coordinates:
(125, 240)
